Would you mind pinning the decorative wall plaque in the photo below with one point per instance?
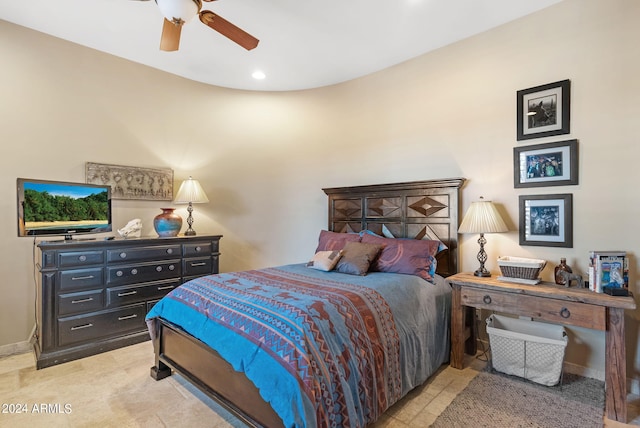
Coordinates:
(130, 182)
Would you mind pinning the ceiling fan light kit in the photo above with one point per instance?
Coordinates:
(178, 12)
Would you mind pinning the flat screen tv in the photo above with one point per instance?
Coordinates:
(62, 208)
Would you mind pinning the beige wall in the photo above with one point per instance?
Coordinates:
(264, 157)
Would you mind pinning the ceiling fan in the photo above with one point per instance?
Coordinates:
(178, 12)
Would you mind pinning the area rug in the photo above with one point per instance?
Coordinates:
(493, 399)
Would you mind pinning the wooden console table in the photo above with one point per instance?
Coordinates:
(552, 303)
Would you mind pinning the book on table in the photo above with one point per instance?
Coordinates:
(608, 269)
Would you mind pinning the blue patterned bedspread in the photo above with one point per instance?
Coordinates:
(323, 348)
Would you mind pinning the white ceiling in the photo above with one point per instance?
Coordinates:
(303, 43)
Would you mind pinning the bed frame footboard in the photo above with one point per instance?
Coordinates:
(204, 368)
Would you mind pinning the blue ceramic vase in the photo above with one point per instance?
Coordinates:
(167, 223)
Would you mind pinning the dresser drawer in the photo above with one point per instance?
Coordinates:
(118, 296)
(538, 308)
(81, 302)
(80, 258)
(199, 249)
(102, 324)
(197, 266)
(144, 272)
(143, 253)
(81, 278)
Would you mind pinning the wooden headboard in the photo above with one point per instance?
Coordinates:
(418, 209)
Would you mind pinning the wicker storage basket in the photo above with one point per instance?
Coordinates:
(529, 349)
(520, 267)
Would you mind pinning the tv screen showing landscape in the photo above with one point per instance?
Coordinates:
(50, 207)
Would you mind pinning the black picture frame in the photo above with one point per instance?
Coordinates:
(546, 220)
(548, 164)
(544, 110)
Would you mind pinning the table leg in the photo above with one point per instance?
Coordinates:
(471, 342)
(457, 328)
(615, 367)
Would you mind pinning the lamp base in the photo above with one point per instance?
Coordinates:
(189, 232)
(483, 273)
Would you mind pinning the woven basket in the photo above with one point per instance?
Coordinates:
(519, 267)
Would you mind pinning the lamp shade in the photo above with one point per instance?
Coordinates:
(482, 217)
(179, 10)
(190, 191)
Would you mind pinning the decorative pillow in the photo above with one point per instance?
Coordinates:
(357, 257)
(408, 256)
(325, 260)
(329, 241)
(441, 245)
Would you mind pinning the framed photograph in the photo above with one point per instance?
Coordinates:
(543, 110)
(550, 164)
(546, 220)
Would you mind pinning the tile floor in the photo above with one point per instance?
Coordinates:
(114, 389)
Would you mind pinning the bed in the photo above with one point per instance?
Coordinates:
(325, 348)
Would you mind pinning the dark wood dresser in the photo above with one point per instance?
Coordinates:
(92, 296)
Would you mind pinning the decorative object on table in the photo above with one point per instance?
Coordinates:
(546, 220)
(543, 110)
(167, 223)
(563, 266)
(608, 269)
(550, 164)
(482, 217)
(131, 182)
(568, 277)
(133, 229)
(190, 192)
(520, 270)
(615, 291)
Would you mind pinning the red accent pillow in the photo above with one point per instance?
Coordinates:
(408, 256)
(334, 241)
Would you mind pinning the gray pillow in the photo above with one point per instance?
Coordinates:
(357, 257)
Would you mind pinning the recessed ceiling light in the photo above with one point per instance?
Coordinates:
(258, 75)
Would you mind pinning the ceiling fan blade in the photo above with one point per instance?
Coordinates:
(228, 30)
(170, 40)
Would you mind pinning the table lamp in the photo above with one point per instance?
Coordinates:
(190, 192)
(482, 217)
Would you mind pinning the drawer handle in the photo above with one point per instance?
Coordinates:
(169, 250)
(82, 258)
(158, 268)
(486, 299)
(166, 287)
(127, 293)
(123, 255)
(80, 327)
(134, 271)
(172, 267)
(565, 313)
(198, 264)
(198, 249)
(119, 273)
(128, 317)
(80, 278)
(82, 300)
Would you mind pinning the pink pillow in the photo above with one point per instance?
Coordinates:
(408, 256)
(334, 241)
